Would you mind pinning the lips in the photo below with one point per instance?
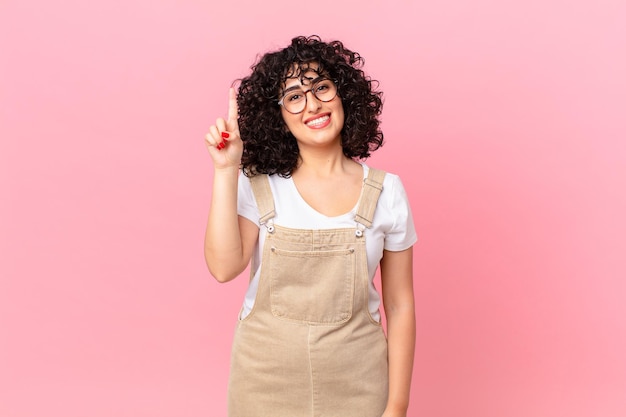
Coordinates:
(318, 122)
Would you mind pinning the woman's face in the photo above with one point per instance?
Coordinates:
(320, 123)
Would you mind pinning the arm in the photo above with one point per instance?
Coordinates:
(397, 289)
(230, 238)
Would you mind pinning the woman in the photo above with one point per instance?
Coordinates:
(316, 224)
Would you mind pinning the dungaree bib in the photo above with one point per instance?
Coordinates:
(309, 347)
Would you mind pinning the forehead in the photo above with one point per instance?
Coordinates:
(302, 74)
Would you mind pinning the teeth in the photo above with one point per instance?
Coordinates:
(318, 122)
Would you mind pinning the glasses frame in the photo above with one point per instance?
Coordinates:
(312, 91)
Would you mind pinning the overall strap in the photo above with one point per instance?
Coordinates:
(263, 195)
(372, 187)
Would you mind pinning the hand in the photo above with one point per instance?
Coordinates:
(223, 140)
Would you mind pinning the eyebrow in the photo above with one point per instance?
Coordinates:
(299, 86)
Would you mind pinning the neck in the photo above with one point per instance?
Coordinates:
(323, 162)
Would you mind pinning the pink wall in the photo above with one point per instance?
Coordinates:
(506, 120)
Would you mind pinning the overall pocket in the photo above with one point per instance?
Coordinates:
(315, 287)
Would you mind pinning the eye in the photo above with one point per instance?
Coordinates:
(294, 97)
(322, 86)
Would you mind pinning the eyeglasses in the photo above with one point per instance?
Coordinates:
(294, 101)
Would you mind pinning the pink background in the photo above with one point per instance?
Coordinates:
(506, 121)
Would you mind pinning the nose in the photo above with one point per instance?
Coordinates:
(312, 103)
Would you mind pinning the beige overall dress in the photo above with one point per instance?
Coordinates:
(309, 347)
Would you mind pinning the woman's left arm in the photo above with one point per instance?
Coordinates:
(397, 288)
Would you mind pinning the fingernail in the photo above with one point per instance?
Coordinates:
(225, 135)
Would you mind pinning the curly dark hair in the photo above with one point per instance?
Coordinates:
(269, 148)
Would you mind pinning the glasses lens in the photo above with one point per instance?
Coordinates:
(294, 101)
(325, 90)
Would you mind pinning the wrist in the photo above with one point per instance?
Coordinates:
(396, 409)
(226, 170)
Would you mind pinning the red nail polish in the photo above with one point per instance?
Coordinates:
(225, 135)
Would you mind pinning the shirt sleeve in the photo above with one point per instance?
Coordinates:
(246, 203)
(401, 235)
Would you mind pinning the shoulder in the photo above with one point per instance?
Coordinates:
(249, 187)
(392, 184)
(393, 215)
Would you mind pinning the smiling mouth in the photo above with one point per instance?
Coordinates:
(320, 121)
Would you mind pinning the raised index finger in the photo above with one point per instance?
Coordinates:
(233, 110)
